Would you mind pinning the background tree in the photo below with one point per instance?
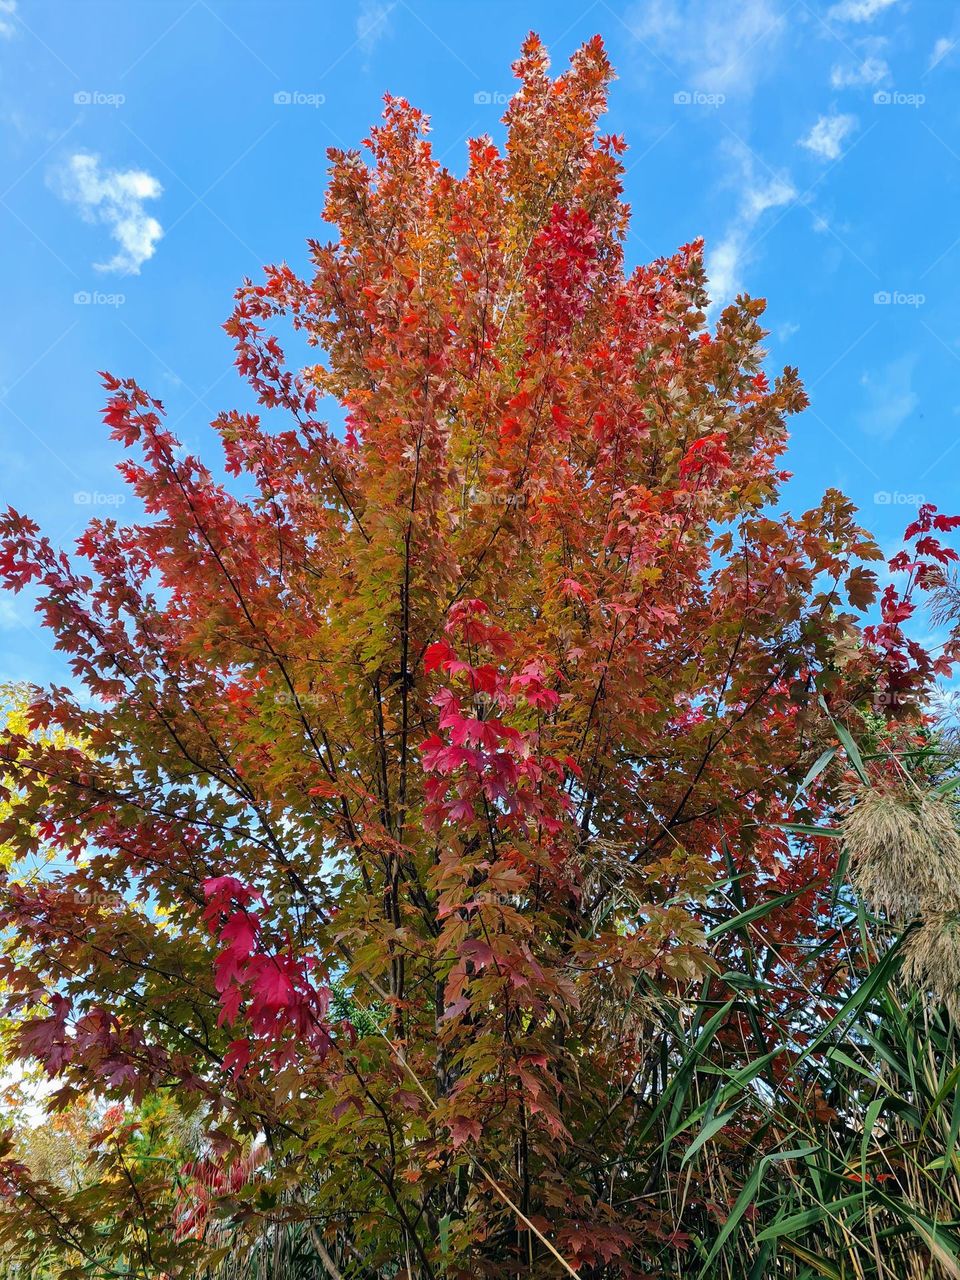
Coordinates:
(436, 763)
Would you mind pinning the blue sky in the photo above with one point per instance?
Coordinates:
(155, 152)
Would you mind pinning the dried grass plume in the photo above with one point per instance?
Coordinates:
(932, 958)
(904, 852)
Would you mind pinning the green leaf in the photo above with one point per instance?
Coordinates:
(869, 1120)
(756, 912)
(942, 1245)
(878, 977)
(706, 1133)
(800, 1222)
(745, 1199)
(816, 769)
(819, 1265)
(849, 746)
(444, 1226)
(802, 829)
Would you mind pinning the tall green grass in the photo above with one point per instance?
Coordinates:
(814, 1147)
(850, 1172)
(854, 1174)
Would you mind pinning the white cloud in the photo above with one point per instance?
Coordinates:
(870, 71)
(890, 398)
(115, 198)
(372, 24)
(940, 51)
(826, 137)
(722, 47)
(726, 260)
(758, 200)
(8, 9)
(858, 10)
(724, 265)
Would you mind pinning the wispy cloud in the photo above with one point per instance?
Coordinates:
(115, 198)
(826, 137)
(9, 619)
(726, 260)
(373, 23)
(721, 47)
(870, 71)
(940, 50)
(8, 9)
(859, 10)
(890, 398)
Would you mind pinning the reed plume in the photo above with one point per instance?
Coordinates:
(904, 852)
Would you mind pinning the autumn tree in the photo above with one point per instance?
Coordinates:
(460, 717)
